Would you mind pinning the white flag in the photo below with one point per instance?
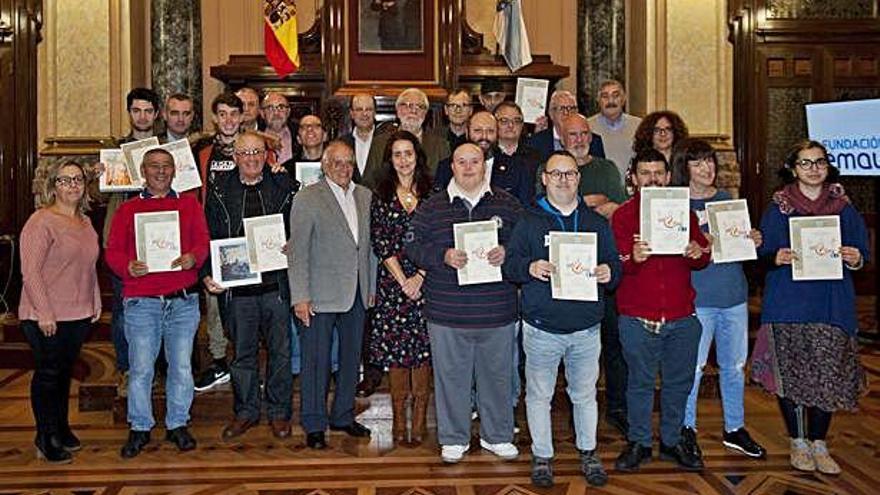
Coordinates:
(510, 31)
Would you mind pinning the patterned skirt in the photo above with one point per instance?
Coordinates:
(812, 364)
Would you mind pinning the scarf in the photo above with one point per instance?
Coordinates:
(831, 200)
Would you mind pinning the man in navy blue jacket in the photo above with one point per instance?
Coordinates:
(557, 329)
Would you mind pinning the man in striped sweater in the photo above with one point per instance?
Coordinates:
(471, 326)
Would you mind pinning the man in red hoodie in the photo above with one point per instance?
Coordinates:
(659, 330)
(161, 303)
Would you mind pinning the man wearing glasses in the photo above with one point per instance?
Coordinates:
(556, 329)
(259, 310)
(510, 136)
(275, 111)
(411, 108)
(548, 140)
(363, 115)
(458, 110)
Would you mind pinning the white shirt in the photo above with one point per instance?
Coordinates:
(456, 192)
(345, 198)
(362, 149)
(489, 163)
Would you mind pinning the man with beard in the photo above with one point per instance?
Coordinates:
(362, 111)
(549, 139)
(250, 113)
(178, 115)
(491, 94)
(617, 128)
(509, 173)
(658, 328)
(275, 111)
(411, 108)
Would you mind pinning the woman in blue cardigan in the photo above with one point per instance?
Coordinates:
(806, 352)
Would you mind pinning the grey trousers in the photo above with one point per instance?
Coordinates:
(462, 356)
(216, 337)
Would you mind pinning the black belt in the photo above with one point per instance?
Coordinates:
(178, 294)
(255, 290)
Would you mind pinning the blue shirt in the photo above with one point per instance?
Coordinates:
(719, 285)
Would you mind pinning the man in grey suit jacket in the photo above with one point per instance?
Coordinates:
(331, 285)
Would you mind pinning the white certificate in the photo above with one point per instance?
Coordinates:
(116, 176)
(186, 175)
(730, 227)
(266, 238)
(574, 256)
(230, 265)
(307, 173)
(531, 96)
(477, 239)
(665, 219)
(816, 244)
(157, 239)
(134, 155)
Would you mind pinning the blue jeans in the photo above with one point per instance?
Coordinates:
(580, 353)
(730, 329)
(296, 350)
(151, 322)
(673, 353)
(117, 325)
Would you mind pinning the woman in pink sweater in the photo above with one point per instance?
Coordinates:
(60, 298)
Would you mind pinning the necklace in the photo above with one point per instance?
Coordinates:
(407, 198)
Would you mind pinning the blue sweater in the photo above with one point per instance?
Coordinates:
(527, 245)
(446, 303)
(815, 301)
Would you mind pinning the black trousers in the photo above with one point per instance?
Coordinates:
(613, 363)
(54, 357)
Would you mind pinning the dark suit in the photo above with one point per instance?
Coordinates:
(348, 138)
(542, 142)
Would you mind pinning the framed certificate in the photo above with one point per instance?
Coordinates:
(477, 239)
(230, 264)
(816, 244)
(308, 173)
(531, 96)
(265, 237)
(157, 239)
(186, 174)
(574, 256)
(664, 221)
(730, 226)
(134, 155)
(116, 176)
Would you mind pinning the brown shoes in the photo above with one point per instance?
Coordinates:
(280, 428)
(237, 428)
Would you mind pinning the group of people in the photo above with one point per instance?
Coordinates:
(372, 282)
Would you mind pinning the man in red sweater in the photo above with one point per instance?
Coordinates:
(161, 303)
(659, 330)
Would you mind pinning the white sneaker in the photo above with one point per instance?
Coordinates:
(504, 450)
(451, 454)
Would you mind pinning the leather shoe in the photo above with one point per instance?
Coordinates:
(355, 429)
(687, 460)
(137, 440)
(315, 440)
(237, 428)
(632, 457)
(180, 436)
(280, 428)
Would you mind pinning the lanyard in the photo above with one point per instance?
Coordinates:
(545, 205)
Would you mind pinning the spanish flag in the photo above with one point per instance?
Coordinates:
(280, 35)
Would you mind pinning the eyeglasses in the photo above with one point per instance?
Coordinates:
(250, 152)
(507, 121)
(558, 175)
(276, 108)
(662, 131)
(807, 164)
(566, 108)
(70, 181)
(412, 106)
(458, 107)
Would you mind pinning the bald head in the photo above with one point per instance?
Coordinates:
(275, 111)
(468, 167)
(362, 111)
(576, 137)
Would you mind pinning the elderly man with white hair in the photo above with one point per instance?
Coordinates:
(546, 141)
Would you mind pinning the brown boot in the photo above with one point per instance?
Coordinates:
(421, 388)
(398, 378)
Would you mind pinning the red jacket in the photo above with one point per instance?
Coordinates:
(121, 247)
(660, 287)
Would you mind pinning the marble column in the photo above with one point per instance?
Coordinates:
(176, 29)
(601, 48)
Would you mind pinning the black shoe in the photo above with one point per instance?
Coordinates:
(355, 429)
(49, 449)
(180, 436)
(592, 468)
(617, 420)
(542, 472)
(689, 441)
(137, 440)
(315, 440)
(741, 441)
(632, 457)
(68, 441)
(680, 455)
(216, 374)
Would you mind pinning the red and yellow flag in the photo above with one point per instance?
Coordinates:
(280, 35)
